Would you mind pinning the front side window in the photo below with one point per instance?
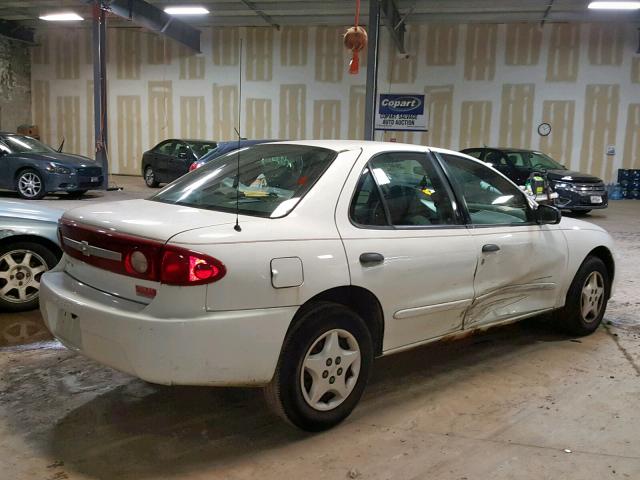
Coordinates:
(490, 198)
(401, 189)
(269, 182)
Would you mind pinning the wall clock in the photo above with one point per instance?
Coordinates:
(544, 129)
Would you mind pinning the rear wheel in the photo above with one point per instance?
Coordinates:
(323, 368)
(21, 267)
(150, 177)
(587, 298)
(30, 184)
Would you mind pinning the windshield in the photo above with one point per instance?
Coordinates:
(22, 144)
(535, 160)
(202, 148)
(273, 178)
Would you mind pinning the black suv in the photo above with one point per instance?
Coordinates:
(577, 191)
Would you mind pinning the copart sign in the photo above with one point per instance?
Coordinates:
(401, 112)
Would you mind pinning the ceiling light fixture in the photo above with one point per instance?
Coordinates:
(61, 17)
(186, 10)
(614, 5)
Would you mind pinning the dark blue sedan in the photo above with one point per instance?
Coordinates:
(34, 169)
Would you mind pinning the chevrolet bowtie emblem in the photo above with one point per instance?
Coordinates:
(84, 248)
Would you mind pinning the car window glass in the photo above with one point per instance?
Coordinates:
(181, 149)
(541, 161)
(412, 190)
(517, 159)
(165, 148)
(201, 148)
(473, 153)
(495, 158)
(367, 207)
(490, 198)
(24, 144)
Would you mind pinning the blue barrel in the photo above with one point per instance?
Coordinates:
(623, 175)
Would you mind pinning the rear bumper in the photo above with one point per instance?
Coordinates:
(217, 348)
(571, 200)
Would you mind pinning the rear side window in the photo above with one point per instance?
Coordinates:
(271, 181)
(490, 198)
(401, 189)
(166, 148)
(473, 153)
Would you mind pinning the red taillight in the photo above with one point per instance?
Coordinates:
(185, 267)
(138, 257)
(193, 166)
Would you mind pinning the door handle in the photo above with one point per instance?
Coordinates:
(490, 247)
(371, 258)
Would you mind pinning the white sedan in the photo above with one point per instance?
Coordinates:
(292, 265)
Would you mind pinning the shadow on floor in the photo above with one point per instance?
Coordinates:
(126, 428)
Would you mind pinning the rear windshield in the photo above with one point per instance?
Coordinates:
(201, 148)
(273, 178)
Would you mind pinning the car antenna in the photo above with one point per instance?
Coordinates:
(237, 227)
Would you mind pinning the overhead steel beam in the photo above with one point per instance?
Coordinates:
(15, 31)
(154, 19)
(261, 14)
(100, 89)
(371, 88)
(394, 22)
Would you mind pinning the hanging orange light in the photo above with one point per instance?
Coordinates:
(355, 39)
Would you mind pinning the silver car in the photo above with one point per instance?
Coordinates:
(28, 248)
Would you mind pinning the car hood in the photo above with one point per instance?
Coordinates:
(572, 176)
(150, 219)
(569, 223)
(68, 159)
(23, 211)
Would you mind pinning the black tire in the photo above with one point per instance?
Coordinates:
(150, 177)
(571, 317)
(40, 256)
(285, 392)
(30, 184)
(76, 193)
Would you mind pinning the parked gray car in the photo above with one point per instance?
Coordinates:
(34, 169)
(28, 248)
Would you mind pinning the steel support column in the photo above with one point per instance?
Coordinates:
(372, 70)
(100, 88)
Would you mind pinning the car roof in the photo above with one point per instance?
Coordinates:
(502, 149)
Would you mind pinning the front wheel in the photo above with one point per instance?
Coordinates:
(150, 177)
(323, 368)
(30, 184)
(586, 299)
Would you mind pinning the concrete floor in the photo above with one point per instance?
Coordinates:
(520, 402)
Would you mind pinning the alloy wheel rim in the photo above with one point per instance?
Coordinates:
(149, 177)
(29, 184)
(330, 370)
(592, 297)
(20, 272)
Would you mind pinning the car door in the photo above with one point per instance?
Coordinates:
(406, 243)
(160, 159)
(178, 163)
(520, 263)
(520, 164)
(6, 174)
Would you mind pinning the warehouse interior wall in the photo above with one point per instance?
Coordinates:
(485, 85)
(15, 84)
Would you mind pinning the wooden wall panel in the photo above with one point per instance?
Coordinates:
(40, 54)
(68, 122)
(523, 44)
(159, 110)
(294, 44)
(356, 112)
(606, 42)
(330, 54)
(326, 119)
(225, 111)
(259, 59)
(632, 138)
(439, 100)
(258, 119)
(191, 64)
(564, 52)
(159, 49)
(293, 111)
(516, 115)
(442, 44)
(475, 124)
(225, 45)
(480, 52)
(635, 70)
(40, 100)
(129, 135)
(67, 57)
(560, 114)
(90, 123)
(192, 118)
(405, 70)
(127, 52)
(600, 128)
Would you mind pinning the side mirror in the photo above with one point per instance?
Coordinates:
(547, 215)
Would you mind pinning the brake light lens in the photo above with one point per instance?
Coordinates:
(193, 166)
(138, 257)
